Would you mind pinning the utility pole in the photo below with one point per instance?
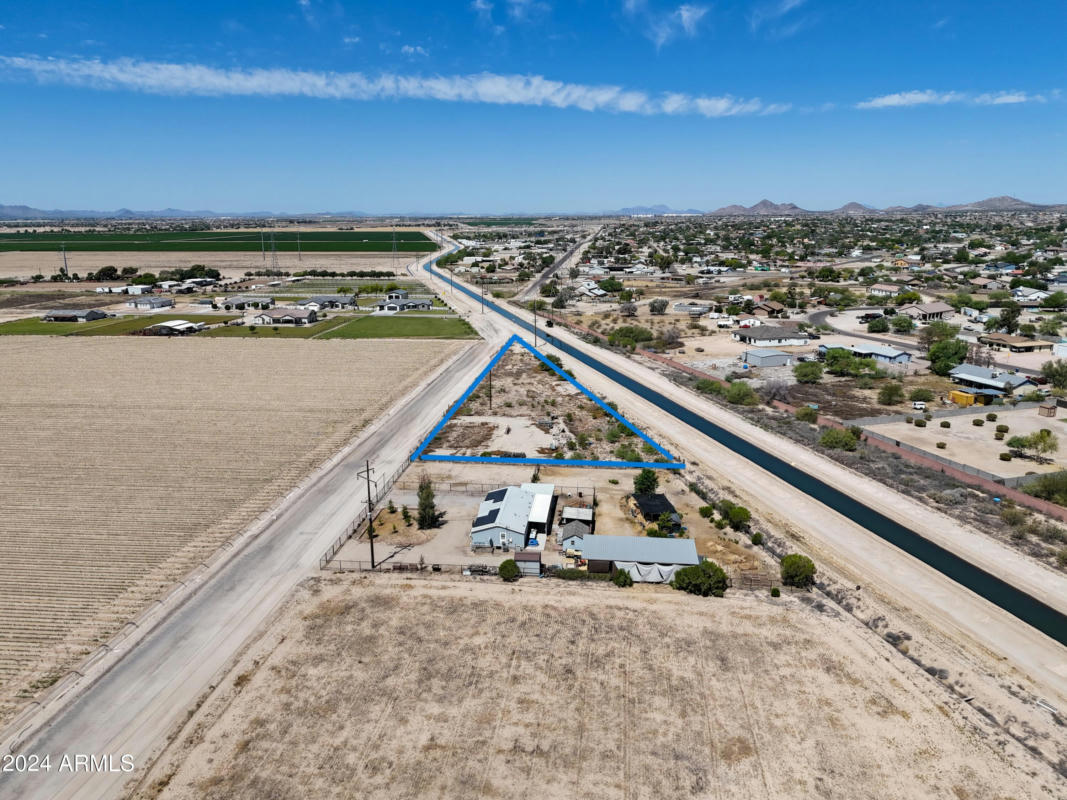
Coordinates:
(490, 389)
(262, 246)
(535, 323)
(299, 254)
(66, 272)
(366, 473)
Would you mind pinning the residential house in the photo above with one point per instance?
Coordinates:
(73, 315)
(404, 305)
(1027, 295)
(1016, 344)
(991, 379)
(771, 336)
(884, 290)
(397, 294)
(987, 284)
(151, 303)
(326, 301)
(928, 312)
(769, 308)
(243, 301)
(510, 517)
(879, 352)
(286, 316)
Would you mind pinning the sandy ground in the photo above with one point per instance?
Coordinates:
(113, 488)
(976, 447)
(232, 265)
(383, 688)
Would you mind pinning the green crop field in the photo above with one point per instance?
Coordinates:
(404, 327)
(117, 326)
(220, 241)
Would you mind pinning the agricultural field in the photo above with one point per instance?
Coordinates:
(128, 460)
(383, 687)
(220, 241)
(400, 326)
(117, 326)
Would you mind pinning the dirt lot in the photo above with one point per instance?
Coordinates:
(126, 461)
(380, 688)
(975, 446)
(232, 265)
(537, 413)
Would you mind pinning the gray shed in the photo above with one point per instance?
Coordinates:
(529, 563)
(767, 357)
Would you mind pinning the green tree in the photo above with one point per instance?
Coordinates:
(622, 579)
(428, 515)
(922, 395)
(935, 332)
(797, 570)
(646, 481)
(509, 571)
(1055, 300)
(946, 355)
(658, 306)
(1056, 372)
(706, 578)
(628, 310)
(1009, 317)
(807, 414)
(902, 323)
(880, 325)
(891, 394)
(808, 372)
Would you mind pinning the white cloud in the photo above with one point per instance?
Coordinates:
(926, 97)
(768, 16)
(413, 50)
(350, 39)
(663, 26)
(165, 78)
(522, 10)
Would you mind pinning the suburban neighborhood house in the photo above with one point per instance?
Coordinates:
(509, 518)
(285, 316)
(1016, 344)
(879, 352)
(884, 290)
(771, 336)
(985, 378)
(927, 312)
(325, 302)
(403, 305)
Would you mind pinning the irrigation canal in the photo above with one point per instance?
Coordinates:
(1016, 602)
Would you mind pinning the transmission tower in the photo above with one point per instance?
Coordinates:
(395, 258)
(273, 250)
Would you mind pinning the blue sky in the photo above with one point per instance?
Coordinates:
(530, 105)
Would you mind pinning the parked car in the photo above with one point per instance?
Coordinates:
(918, 405)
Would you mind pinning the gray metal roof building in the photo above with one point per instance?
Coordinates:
(647, 559)
(767, 357)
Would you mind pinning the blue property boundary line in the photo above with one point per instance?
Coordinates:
(419, 454)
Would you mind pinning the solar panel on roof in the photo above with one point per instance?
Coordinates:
(488, 519)
(496, 495)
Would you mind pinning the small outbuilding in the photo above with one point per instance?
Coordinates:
(646, 559)
(570, 535)
(767, 357)
(529, 563)
(150, 303)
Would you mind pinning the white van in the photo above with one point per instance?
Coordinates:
(918, 405)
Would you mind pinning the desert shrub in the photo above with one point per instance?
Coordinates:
(1005, 456)
(941, 445)
(807, 414)
(808, 372)
(921, 395)
(946, 424)
(705, 578)
(909, 420)
(737, 516)
(1049, 487)
(573, 574)
(742, 394)
(756, 538)
(991, 417)
(978, 423)
(707, 512)
(798, 570)
(920, 423)
(622, 579)
(1002, 429)
(776, 592)
(836, 439)
(999, 436)
(710, 387)
(509, 570)
(655, 532)
(1013, 516)
(891, 394)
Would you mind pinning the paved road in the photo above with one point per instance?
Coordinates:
(541, 279)
(132, 708)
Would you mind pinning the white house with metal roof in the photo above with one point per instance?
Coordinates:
(512, 516)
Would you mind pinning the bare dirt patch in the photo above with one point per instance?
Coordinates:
(384, 688)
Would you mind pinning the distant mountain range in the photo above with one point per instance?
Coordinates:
(764, 208)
